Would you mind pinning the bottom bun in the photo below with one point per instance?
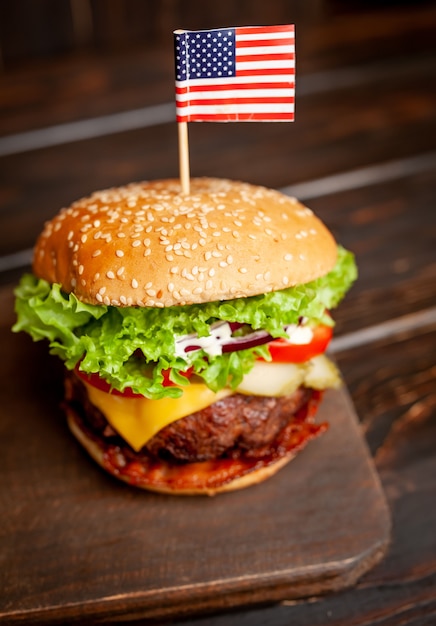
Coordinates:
(205, 477)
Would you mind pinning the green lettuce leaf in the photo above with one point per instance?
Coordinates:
(130, 346)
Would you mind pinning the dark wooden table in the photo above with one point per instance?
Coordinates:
(362, 154)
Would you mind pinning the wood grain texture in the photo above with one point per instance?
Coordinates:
(65, 524)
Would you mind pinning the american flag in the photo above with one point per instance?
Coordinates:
(235, 74)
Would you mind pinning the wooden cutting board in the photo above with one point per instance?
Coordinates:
(76, 544)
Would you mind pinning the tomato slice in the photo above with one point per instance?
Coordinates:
(283, 351)
(99, 383)
(166, 377)
(96, 381)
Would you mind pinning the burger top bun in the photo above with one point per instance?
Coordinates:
(147, 244)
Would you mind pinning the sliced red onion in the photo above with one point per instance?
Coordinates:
(221, 340)
(257, 338)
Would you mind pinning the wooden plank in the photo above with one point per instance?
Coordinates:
(76, 544)
(95, 82)
(392, 230)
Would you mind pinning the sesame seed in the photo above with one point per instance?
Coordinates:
(211, 272)
(288, 257)
(134, 283)
(123, 300)
(106, 300)
(99, 297)
(243, 270)
(110, 274)
(81, 268)
(151, 292)
(174, 270)
(136, 243)
(102, 290)
(222, 264)
(119, 253)
(120, 271)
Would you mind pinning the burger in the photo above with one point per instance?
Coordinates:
(192, 327)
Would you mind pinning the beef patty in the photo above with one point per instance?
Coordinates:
(238, 424)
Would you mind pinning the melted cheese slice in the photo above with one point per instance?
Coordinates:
(138, 419)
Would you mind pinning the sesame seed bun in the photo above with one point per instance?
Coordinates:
(146, 244)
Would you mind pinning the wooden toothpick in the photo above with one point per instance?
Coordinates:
(184, 157)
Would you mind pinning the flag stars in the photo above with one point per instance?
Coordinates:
(205, 55)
